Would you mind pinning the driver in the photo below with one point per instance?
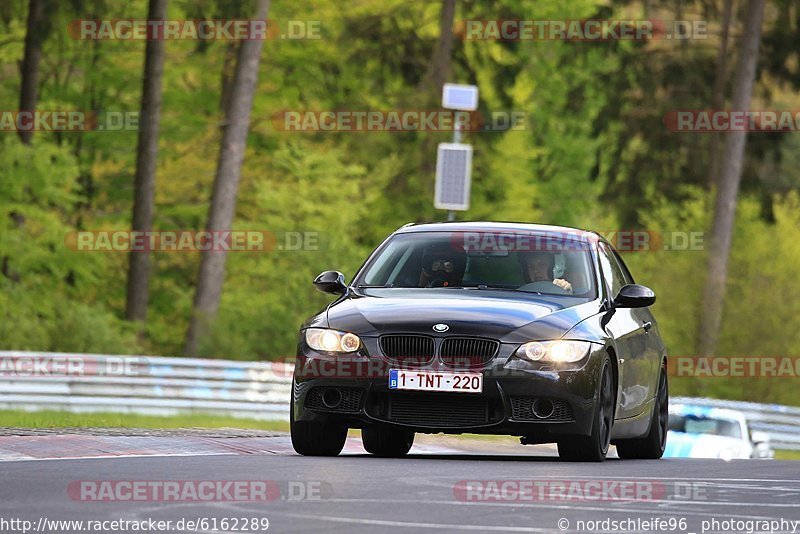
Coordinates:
(442, 266)
(538, 266)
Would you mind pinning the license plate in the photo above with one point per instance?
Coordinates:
(435, 381)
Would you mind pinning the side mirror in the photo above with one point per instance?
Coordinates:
(330, 282)
(634, 296)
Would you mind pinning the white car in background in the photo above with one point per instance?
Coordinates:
(704, 432)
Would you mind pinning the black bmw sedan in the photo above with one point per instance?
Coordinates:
(491, 328)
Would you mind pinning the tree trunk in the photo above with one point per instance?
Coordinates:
(146, 157)
(226, 184)
(718, 93)
(440, 65)
(228, 71)
(730, 178)
(429, 94)
(34, 36)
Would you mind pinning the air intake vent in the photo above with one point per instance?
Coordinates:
(348, 399)
(440, 411)
(527, 409)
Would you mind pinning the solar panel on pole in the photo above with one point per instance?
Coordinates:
(453, 176)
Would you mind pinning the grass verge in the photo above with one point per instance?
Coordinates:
(57, 419)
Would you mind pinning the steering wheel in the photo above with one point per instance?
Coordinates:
(543, 286)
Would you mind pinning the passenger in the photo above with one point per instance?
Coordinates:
(443, 266)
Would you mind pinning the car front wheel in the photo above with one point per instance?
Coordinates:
(315, 438)
(593, 448)
(651, 446)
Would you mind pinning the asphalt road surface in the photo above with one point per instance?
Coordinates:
(480, 488)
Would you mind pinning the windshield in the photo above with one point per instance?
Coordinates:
(530, 263)
(691, 424)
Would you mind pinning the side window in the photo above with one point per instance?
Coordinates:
(612, 273)
(626, 274)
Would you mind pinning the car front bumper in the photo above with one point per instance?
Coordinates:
(355, 392)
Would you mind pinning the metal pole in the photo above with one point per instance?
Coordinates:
(451, 215)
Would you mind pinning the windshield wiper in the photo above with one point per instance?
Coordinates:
(375, 286)
(487, 286)
(514, 289)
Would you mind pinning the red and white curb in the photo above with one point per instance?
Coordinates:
(76, 446)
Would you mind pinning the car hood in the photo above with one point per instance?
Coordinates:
(486, 313)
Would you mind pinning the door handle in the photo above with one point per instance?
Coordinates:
(647, 326)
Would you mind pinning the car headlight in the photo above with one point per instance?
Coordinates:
(327, 340)
(559, 351)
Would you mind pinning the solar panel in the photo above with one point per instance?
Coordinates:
(453, 176)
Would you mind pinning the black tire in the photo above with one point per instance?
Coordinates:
(593, 448)
(387, 442)
(314, 438)
(652, 445)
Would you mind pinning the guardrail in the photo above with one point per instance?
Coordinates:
(149, 385)
(156, 385)
(781, 423)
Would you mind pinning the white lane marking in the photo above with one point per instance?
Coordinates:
(703, 513)
(111, 457)
(661, 502)
(654, 478)
(410, 524)
(13, 457)
(707, 484)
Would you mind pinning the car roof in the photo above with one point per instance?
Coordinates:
(484, 226)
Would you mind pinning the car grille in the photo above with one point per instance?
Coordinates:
(467, 351)
(351, 399)
(440, 411)
(522, 410)
(407, 348)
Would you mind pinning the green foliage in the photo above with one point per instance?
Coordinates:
(593, 152)
(51, 296)
(296, 197)
(675, 275)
